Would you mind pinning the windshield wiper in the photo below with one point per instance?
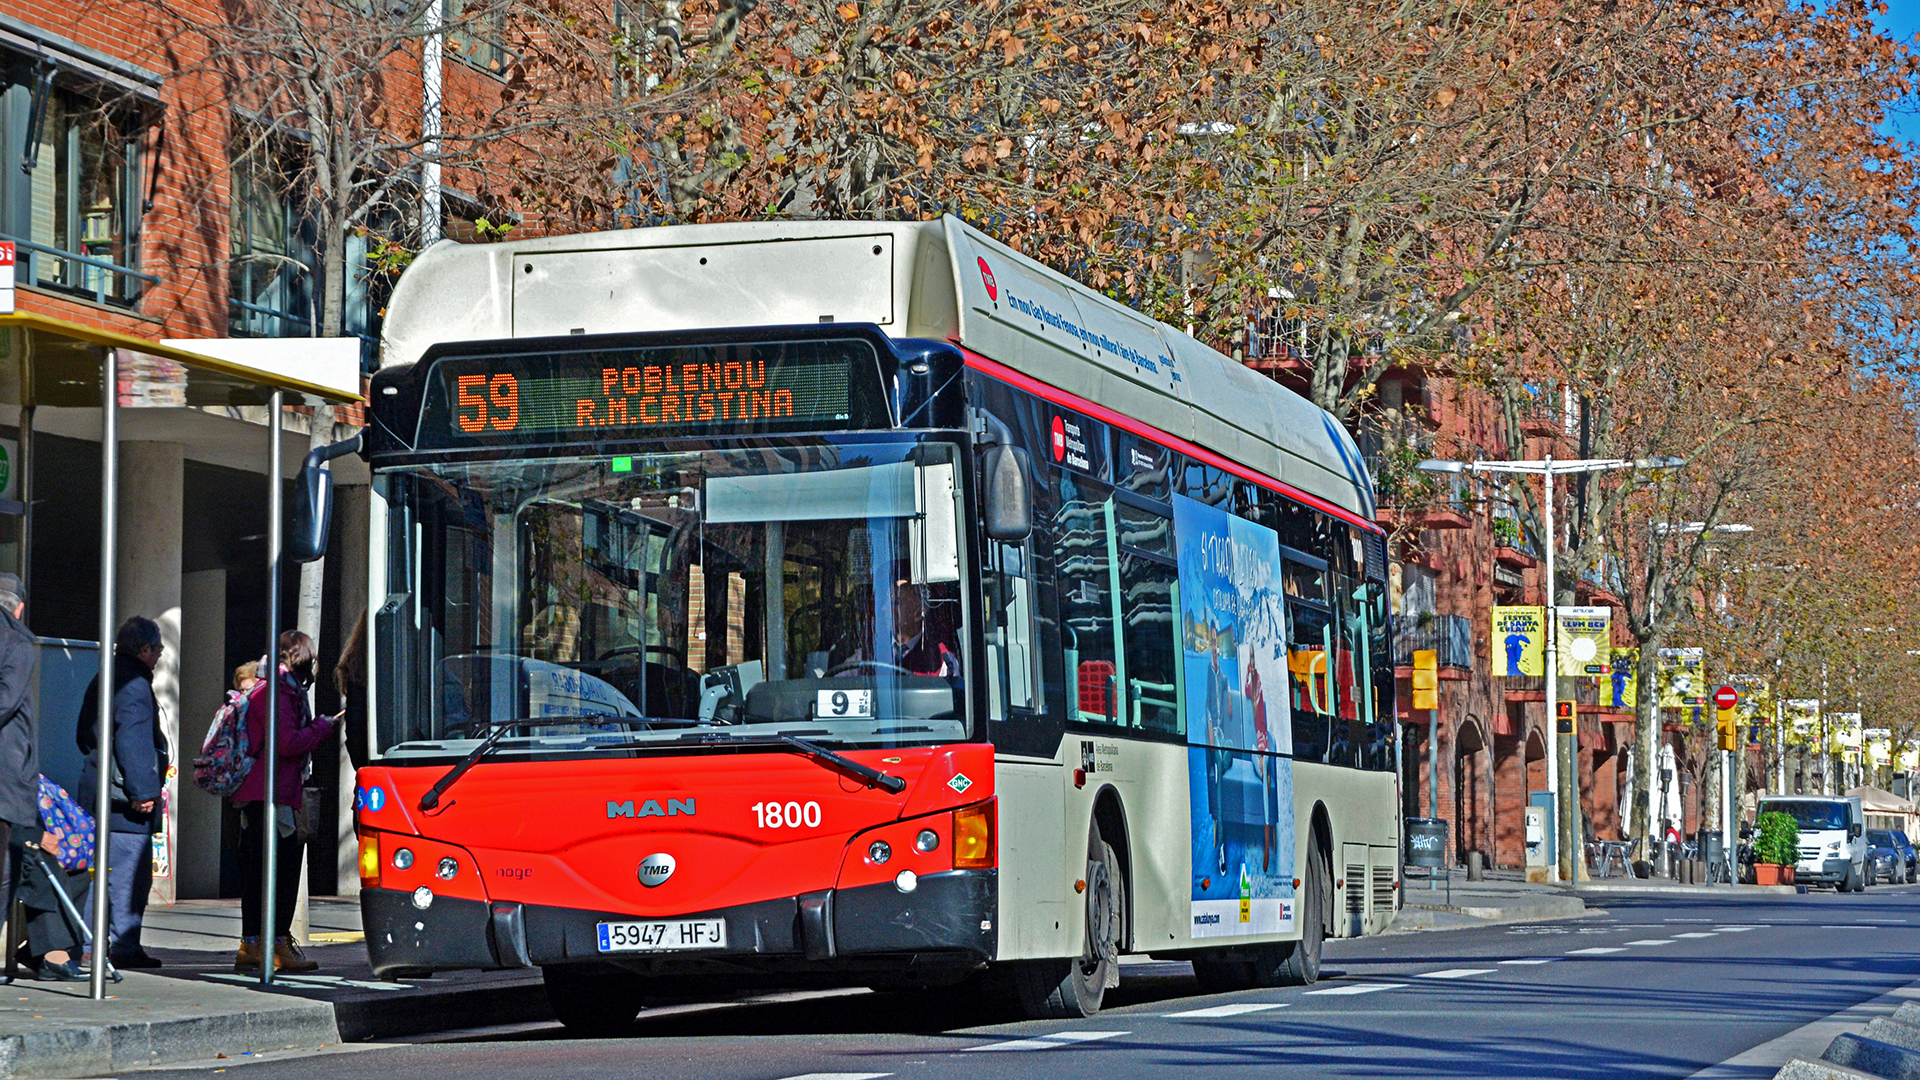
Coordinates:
(479, 753)
(887, 782)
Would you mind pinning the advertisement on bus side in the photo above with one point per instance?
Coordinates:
(1234, 666)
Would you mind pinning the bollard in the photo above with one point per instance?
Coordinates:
(1476, 866)
(1686, 871)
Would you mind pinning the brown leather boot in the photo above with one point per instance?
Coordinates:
(288, 957)
(247, 959)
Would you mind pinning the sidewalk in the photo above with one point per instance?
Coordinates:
(198, 1007)
(1499, 899)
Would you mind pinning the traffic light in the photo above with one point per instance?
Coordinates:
(1426, 679)
(1729, 729)
(1563, 721)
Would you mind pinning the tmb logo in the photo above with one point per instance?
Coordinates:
(650, 808)
(1059, 438)
(986, 278)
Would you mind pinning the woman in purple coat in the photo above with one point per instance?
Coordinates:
(300, 734)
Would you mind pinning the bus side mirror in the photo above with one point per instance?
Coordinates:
(1009, 499)
(313, 503)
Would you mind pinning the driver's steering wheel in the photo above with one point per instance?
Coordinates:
(855, 665)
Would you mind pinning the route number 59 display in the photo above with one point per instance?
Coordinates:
(791, 815)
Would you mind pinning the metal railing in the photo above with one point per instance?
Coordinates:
(110, 283)
(242, 318)
(1449, 636)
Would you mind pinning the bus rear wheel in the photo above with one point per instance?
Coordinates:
(1070, 989)
(594, 1004)
(1290, 963)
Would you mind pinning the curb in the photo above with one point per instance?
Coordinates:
(110, 1048)
(1688, 890)
(1431, 917)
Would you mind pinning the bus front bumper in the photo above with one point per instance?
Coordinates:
(954, 913)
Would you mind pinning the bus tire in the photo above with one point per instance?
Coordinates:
(1301, 964)
(593, 1005)
(1074, 988)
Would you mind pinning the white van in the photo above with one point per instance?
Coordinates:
(1833, 843)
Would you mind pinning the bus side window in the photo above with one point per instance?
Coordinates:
(1149, 597)
(1086, 584)
(1012, 668)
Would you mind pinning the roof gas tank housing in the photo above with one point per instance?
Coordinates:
(689, 277)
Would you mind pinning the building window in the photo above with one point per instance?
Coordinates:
(74, 204)
(271, 268)
(477, 32)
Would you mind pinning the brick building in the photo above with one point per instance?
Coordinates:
(143, 205)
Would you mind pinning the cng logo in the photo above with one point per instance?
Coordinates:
(656, 869)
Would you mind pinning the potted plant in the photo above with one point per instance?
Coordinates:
(1776, 849)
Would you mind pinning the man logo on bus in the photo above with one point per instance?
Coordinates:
(1059, 439)
(986, 278)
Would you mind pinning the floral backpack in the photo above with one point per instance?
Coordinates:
(70, 827)
(225, 758)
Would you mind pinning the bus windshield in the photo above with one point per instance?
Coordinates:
(811, 588)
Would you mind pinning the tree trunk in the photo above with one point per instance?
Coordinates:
(1647, 778)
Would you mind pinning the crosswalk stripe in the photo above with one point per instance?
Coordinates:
(1698, 934)
(1050, 1042)
(1650, 941)
(1229, 1010)
(1597, 951)
(837, 1076)
(1454, 973)
(1356, 988)
(1533, 960)
(1737, 929)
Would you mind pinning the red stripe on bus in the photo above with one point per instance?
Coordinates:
(1175, 442)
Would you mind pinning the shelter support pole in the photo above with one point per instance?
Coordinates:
(103, 731)
(270, 754)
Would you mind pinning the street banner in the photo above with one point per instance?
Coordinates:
(1802, 719)
(1678, 675)
(1519, 641)
(1585, 640)
(1844, 727)
(1236, 668)
(1623, 684)
(1756, 705)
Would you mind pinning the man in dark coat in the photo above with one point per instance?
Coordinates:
(19, 754)
(139, 769)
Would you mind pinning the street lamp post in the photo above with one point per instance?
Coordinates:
(1547, 468)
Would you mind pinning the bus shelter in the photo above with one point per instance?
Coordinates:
(50, 363)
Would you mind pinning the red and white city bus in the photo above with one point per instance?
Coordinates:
(856, 603)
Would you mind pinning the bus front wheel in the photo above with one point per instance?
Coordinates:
(593, 1004)
(1069, 989)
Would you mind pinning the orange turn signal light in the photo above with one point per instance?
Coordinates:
(370, 860)
(973, 840)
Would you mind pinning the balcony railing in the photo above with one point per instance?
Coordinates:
(1449, 636)
(105, 281)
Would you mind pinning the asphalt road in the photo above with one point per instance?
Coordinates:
(1646, 987)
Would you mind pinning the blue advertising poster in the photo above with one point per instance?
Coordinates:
(1234, 662)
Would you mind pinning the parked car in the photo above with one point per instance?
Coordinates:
(1885, 860)
(1913, 857)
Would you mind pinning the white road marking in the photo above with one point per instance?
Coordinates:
(1229, 1010)
(1050, 1042)
(1686, 920)
(1836, 926)
(1454, 973)
(837, 1076)
(1533, 960)
(1652, 941)
(1356, 988)
(1737, 929)
(1596, 951)
(1698, 934)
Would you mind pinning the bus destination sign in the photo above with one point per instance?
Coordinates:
(645, 392)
